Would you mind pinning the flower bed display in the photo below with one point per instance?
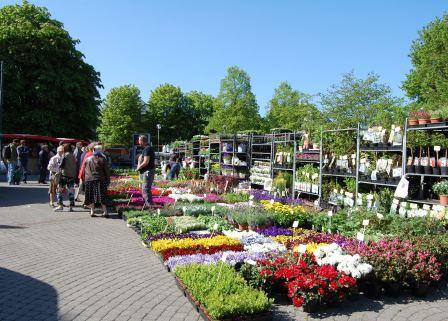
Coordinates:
(221, 291)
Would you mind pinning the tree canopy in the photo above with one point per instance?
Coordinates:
(236, 107)
(201, 107)
(121, 115)
(427, 82)
(48, 87)
(364, 101)
(293, 110)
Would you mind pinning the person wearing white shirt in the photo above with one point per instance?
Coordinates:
(53, 168)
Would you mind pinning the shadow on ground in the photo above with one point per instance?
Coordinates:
(23, 195)
(23, 298)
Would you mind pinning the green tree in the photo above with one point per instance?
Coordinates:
(121, 115)
(201, 107)
(168, 107)
(48, 87)
(364, 101)
(293, 110)
(427, 82)
(236, 107)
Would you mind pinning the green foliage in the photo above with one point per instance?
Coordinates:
(210, 221)
(153, 225)
(121, 115)
(187, 173)
(293, 110)
(48, 87)
(236, 107)
(427, 82)
(364, 101)
(282, 181)
(222, 291)
(441, 188)
(232, 198)
(385, 199)
(201, 107)
(350, 183)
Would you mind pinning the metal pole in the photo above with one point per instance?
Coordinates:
(358, 141)
(1, 96)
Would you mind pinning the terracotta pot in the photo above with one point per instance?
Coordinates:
(242, 227)
(436, 120)
(423, 121)
(412, 122)
(443, 199)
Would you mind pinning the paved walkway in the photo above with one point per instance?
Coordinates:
(68, 266)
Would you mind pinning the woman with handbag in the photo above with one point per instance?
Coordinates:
(96, 179)
(55, 174)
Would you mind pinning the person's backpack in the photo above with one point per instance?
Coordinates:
(7, 152)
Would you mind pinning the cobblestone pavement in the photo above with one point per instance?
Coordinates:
(68, 266)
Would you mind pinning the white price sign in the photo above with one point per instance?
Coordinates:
(330, 213)
(360, 236)
(365, 222)
(295, 224)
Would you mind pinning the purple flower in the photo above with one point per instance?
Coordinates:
(264, 195)
(274, 231)
(232, 258)
(191, 235)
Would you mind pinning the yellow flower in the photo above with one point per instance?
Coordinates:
(165, 244)
(310, 247)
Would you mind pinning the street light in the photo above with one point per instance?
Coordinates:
(158, 137)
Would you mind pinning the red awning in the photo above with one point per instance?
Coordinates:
(41, 138)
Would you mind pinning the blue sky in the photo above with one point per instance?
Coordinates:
(191, 43)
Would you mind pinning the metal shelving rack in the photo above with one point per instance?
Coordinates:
(437, 127)
(384, 149)
(304, 162)
(236, 140)
(283, 137)
(350, 175)
(215, 152)
(261, 151)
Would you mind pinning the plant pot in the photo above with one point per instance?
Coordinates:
(410, 168)
(311, 307)
(436, 170)
(412, 122)
(420, 290)
(373, 290)
(443, 170)
(392, 289)
(443, 199)
(242, 227)
(428, 170)
(423, 121)
(419, 169)
(435, 120)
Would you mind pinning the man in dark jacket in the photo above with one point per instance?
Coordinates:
(78, 156)
(43, 163)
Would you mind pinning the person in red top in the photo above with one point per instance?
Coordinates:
(82, 168)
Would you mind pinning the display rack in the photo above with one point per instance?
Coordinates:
(215, 154)
(423, 180)
(281, 138)
(323, 174)
(261, 160)
(234, 155)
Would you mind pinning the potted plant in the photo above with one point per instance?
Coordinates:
(437, 139)
(241, 218)
(436, 116)
(412, 120)
(441, 189)
(422, 116)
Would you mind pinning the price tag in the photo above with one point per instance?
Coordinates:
(335, 191)
(251, 197)
(213, 208)
(295, 224)
(360, 236)
(370, 197)
(272, 202)
(395, 201)
(437, 148)
(184, 209)
(158, 212)
(251, 203)
(330, 213)
(205, 195)
(414, 206)
(251, 262)
(215, 227)
(365, 222)
(380, 216)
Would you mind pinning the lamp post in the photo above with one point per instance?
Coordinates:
(158, 138)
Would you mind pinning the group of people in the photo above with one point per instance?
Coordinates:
(83, 170)
(15, 156)
(80, 170)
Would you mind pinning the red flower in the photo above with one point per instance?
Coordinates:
(297, 301)
(321, 291)
(347, 281)
(333, 286)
